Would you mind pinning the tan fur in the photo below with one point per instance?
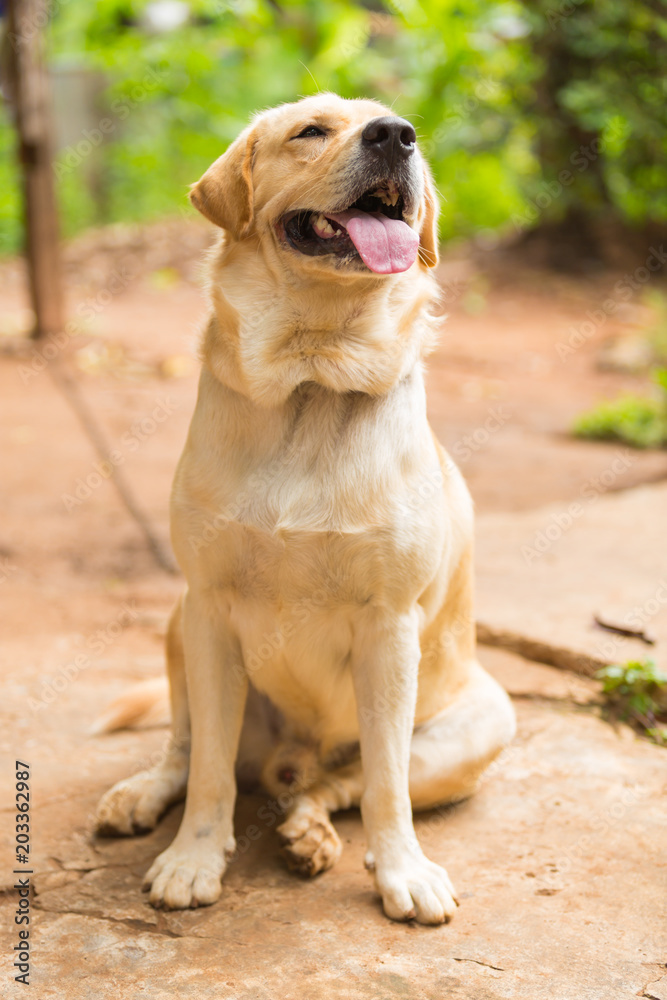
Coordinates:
(142, 707)
(326, 540)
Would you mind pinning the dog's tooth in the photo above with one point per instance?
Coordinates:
(322, 226)
(393, 193)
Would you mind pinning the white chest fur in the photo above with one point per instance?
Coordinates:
(295, 518)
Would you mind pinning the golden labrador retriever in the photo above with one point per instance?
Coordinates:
(326, 636)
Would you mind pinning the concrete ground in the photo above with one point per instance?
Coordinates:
(559, 859)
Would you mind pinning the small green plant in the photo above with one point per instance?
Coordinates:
(640, 421)
(637, 691)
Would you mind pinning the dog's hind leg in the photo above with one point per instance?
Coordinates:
(136, 804)
(450, 751)
(448, 755)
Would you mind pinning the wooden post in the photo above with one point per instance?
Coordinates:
(30, 97)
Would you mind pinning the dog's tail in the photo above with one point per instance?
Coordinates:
(143, 706)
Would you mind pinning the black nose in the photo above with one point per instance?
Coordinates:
(390, 137)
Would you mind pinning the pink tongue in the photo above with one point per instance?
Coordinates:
(385, 245)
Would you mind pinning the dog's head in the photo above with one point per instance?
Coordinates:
(331, 183)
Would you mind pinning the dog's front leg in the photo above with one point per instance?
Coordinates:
(385, 663)
(188, 873)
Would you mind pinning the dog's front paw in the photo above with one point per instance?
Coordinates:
(183, 877)
(416, 889)
(310, 843)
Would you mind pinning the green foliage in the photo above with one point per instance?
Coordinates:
(503, 94)
(637, 690)
(600, 97)
(636, 420)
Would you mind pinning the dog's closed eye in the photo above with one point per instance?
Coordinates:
(310, 132)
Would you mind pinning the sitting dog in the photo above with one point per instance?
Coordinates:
(326, 637)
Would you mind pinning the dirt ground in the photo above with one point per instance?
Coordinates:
(559, 859)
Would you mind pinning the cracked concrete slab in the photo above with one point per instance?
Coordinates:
(657, 990)
(558, 860)
(542, 575)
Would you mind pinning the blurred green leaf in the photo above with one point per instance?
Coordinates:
(637, 690)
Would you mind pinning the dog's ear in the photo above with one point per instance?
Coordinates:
(428, 232)
(224, 194)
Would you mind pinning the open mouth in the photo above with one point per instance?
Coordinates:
(372, 229)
